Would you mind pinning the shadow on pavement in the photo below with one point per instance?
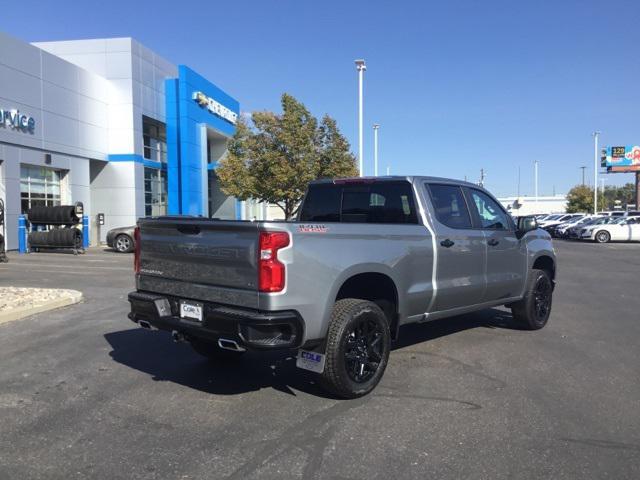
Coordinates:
(156, 354)
(423, 332)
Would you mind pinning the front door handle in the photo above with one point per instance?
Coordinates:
(447, 243)
(493, 242)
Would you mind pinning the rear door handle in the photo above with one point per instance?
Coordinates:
(493, 242)
(447, 243)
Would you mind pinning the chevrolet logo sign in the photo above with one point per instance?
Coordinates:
(215, 107)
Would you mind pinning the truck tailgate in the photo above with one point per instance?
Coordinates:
(193, 254)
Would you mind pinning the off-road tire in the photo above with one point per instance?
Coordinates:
(529, 313)
(602, 236)
(348, 314)
(213, 352)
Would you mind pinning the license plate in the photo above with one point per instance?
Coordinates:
(313, 361)
(191, 310)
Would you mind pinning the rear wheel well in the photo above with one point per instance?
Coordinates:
(545, 263)
(377, 288)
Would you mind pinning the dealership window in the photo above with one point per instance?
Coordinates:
(154, 134)
(39, 186)
(155, 191)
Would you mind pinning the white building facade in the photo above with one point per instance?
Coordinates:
(111, 124)
(521, 206)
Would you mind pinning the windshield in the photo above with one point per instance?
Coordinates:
(600, 220)
(552, 217)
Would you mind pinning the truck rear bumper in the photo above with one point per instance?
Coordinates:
(252, 329)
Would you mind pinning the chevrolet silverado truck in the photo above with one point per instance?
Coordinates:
(364, 257)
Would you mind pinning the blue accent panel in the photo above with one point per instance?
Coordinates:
(132, 157)
(172, 108)
(154, 164)
(22, 234)
(187, 169)
(85, 231)
(191, 82)
(212, 166)
(238, 210)
(191, 119)
(125, 157)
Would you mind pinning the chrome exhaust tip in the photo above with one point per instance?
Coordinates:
(144, 324)
(178, 337)
(232, 345)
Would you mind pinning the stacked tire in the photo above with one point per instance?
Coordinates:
(57, 238)
(60, 215)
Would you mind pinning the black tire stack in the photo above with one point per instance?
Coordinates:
(56, 227)
(56, 238)
(60, 215)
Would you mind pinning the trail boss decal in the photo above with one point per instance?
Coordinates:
(312, 228)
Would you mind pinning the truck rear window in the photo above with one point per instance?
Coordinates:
(382, 202)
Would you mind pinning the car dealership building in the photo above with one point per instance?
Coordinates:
(111, 124)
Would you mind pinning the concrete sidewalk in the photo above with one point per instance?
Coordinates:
(21, 302)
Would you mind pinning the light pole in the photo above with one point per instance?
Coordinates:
(595, 171)
(376, 127)
(535, 175)
(361, 67)
(583, 169)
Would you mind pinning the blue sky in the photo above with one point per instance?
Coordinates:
(456, 85)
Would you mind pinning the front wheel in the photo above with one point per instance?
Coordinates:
(602, 236)
(532, 312)
(358, 344)
(123, 243)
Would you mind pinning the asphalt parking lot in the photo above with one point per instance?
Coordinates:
(85, 393)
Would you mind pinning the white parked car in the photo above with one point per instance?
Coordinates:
(550, 218)
(621, 229)
(562, 230)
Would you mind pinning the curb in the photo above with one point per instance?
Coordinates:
(23, 312)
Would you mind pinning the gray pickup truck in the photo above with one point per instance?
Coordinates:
(365, 256)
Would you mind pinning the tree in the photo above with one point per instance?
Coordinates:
(580, 199)
(626, 194)
(275, 160)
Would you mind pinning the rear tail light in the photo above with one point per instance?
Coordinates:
(271, 272)
(136, 250)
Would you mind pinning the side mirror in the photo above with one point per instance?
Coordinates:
(526, 224)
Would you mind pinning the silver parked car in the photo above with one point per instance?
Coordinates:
(121, 239)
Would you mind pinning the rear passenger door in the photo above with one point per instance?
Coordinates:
(461, 249)
(506, 254)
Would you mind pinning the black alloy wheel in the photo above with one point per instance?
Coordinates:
(357, 348)
(363, 350)
(542, 298)
(533, 310)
